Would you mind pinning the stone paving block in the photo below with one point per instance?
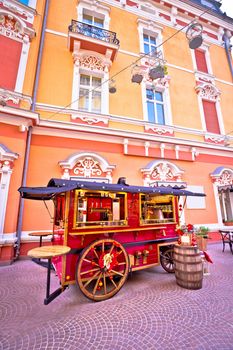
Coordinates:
(151, 312)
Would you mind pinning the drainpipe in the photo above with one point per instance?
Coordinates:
(226, 38)
(29, 135)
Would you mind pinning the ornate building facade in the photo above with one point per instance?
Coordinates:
(80, 99)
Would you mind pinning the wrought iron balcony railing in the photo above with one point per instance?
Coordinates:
(93, 32)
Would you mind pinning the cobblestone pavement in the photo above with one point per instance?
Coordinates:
(150, 312)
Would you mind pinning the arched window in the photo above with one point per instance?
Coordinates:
(87, 165)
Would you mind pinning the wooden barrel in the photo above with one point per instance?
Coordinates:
(188, 267)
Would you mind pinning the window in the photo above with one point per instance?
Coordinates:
(99, 209)
(90, 93)
(25, 2)
(149, 43)
(201, 62)
(211, 117)
(94, 21)
(155, 106)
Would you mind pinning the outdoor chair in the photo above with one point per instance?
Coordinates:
(227, 238)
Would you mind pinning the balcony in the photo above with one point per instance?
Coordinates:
(92, 38)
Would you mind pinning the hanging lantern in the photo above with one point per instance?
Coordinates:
(194, 35)
(112, 87)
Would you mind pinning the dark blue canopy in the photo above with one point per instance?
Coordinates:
(56, 186)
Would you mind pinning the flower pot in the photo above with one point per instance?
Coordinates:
(156, 73)
(137, 78)
(201, 243)
(228, 223)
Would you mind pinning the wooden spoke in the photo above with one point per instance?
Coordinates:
(96, 284)
(111, 279)
(105, 288)
(97, 256)
(89, 271)
(117, 273)
(110, 251)
(91, 262)
(89, 283)
(91, 279)
(166, 260)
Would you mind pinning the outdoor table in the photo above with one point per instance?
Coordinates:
(227, 237)
(49, 252)
(40, 234)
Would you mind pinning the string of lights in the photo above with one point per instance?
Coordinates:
(110, 79)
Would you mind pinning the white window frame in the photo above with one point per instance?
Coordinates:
(152, 29)
(100, 11)
(205, 49)
(91, 89)
(166, 102)
(76, 88)
(219, 115)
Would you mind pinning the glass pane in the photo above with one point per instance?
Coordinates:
(152, 40)
(158, 96)
(96, 101)
(145, 38)
(87, 19)
(85, 80)
(83, 99)
(149, 94)
(151, 112)
(160, 113)
(98, 22)
(153, 48)
(146, 48)
(96, 81)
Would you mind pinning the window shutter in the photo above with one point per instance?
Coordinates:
(9, 62)
(201, 61)
(211, 117)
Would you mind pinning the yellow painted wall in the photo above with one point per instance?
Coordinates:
(56, 72)
(184, 102)
(15, 142)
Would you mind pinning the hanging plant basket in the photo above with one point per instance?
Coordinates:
(137, 78)
(157, 72)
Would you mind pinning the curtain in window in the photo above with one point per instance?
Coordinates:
(211, 117)
(201, 61)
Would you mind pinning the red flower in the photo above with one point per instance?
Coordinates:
(190, 227)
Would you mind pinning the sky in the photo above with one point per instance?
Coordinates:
(227, 6)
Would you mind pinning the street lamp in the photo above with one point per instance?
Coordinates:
(194, 35)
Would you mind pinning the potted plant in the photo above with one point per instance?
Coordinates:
(201, 237)
(228, 222)
(158, 72)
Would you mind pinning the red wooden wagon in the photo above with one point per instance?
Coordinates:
(112, 229)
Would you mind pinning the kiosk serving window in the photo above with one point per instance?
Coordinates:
(157, 209)
(99, 208)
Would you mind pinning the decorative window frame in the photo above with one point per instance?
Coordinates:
(167, 172)
(99, 66)
(98, 167)
(161, 86)
(95, 8)
(7, 159)
(150, 28)
(24, 34)
(221, 176)
(206, 90)
(205, 48)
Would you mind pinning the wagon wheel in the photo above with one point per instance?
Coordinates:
(167, 261)
(102, 269)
